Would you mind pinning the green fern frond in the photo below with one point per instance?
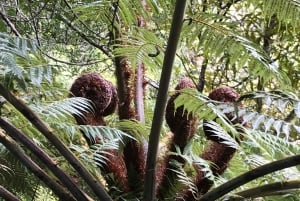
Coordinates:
(185, 180)
(282, 102)
(287, 11)
(92, 10)
(20, 61)
(134, 128)
(205, 109)
(104, 132)
(65, 108)
(101, 151)
(97, 154)
(214, 39)
(16, 45)
(95, 133)
(272, 145)
(222, 134)
(140, 46)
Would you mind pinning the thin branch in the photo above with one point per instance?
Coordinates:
(71, 63)
(44, 157)
(9, 23)
(103, 48)
(150, 177)
(8, 196)
(269, 189)
(249, 176)
(81, 22)
(15, 149)
(59, 145)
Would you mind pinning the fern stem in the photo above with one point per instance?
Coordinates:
(270, 189)
(44, 157)
(249, 176)
(7, 195)
(150, 177)
(18, 152)
(59, 145)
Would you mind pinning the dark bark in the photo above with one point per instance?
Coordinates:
(150, 178)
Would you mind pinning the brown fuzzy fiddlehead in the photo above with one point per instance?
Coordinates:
(216, 152)
(183, 127)
(101, 92)
(104, 97)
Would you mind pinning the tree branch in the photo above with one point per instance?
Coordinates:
(249, 176)
(85, 37)
(57, 143)
(44, 157)
(150, 178)
(15, 149)
(8, 196)
(9, 23)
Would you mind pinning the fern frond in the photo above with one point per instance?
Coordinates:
(95, 133)
(287, 11)
(185, 180)
(16, 45)
(134, 128)
(139, 46)
(275, 146)
(222, 134)
(214, 39)
(19, 61)
(282, 102)
(65, 108)
(200, 106)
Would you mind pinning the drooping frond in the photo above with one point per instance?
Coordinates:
(215, 38)
(98, 153)
(141, 45)
(94, 133)
(219, 132)
(266, 121)
(287, 11)
(185, 180)
(277, 103)
(271, 146)
(20, 60)
(134, 128)
(65, 108)
(16, 45)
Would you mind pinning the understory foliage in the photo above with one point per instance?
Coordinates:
(250, 47)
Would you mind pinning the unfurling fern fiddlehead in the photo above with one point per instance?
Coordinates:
(183, 127)
(217, 152)
(104, 97)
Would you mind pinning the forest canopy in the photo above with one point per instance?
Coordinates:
(149, 100)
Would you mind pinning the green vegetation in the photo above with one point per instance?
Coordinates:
(111, 138)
